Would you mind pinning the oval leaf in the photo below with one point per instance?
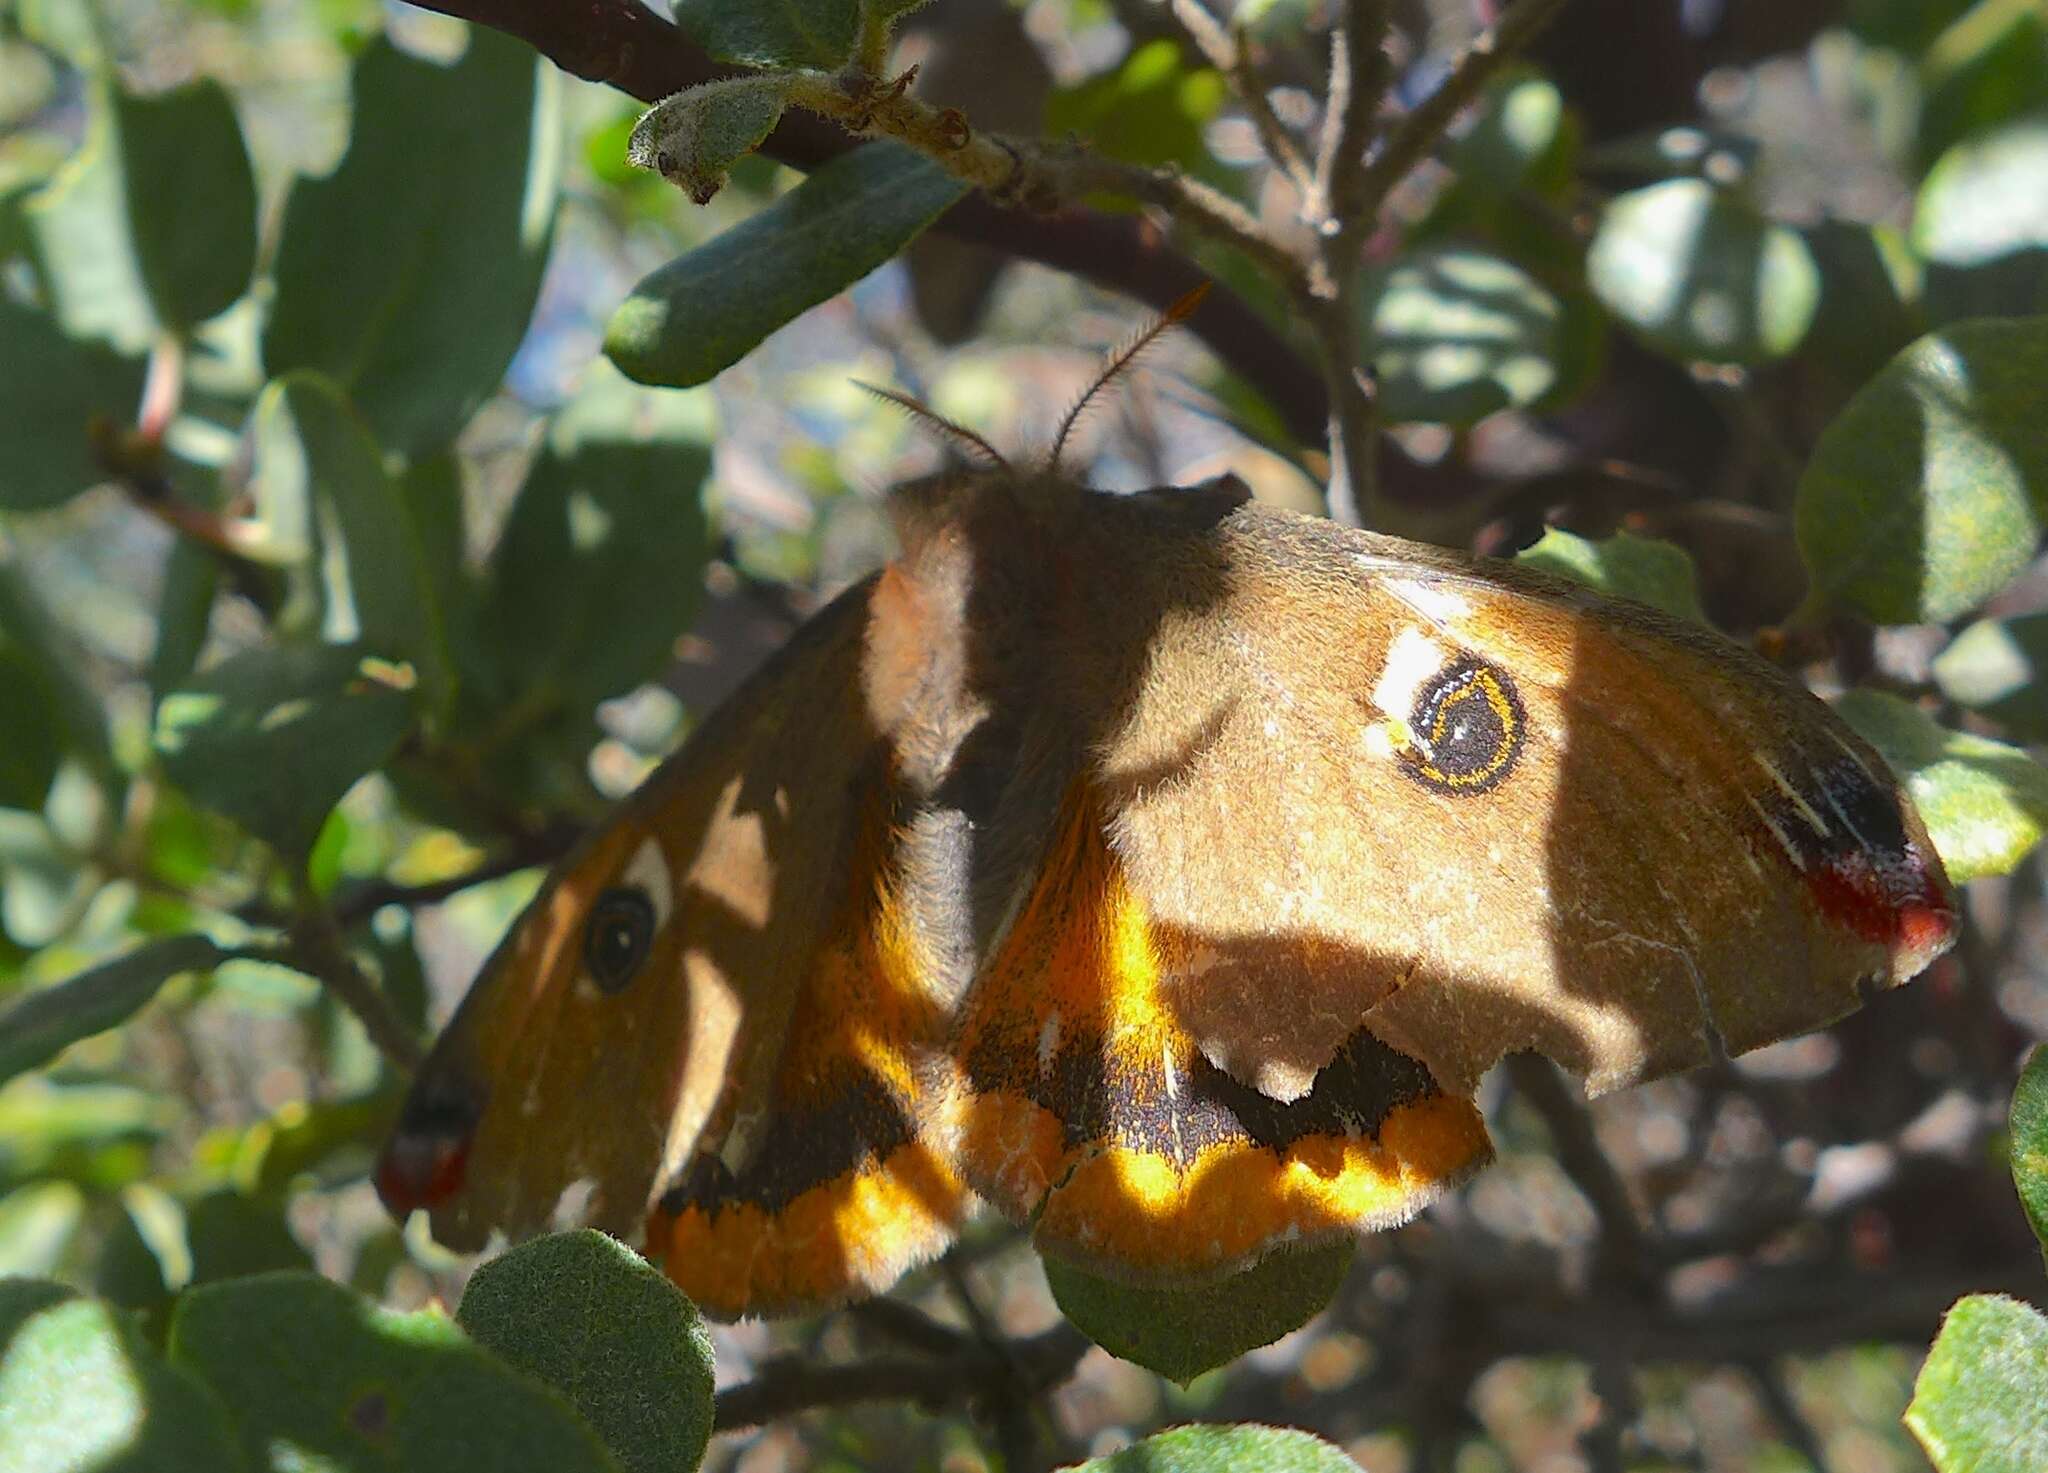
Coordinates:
(308, 1365)
(773, 33)
(706, 310)
(273, 737)
(191, 199)
(1646, 569)
(2030, 1141)
(52, 387)
(1454, 335)
(41, 1024)
(1181, 1333)
(1925, 495)
(601, 1325)
(81, 1392)
(1985, 198)
(381, 586)
(83, 248)
(1985, 803)
(1243, 1448)
(1980, 1404)
(693, 138)
(1702, 275)
(598, 570)
(2000, 667)
(409, 273)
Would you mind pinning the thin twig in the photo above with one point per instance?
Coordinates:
(358, 902)
(1410, 143)
(789, 1385)
(316, 948)
(1357, 82)
(1226, 51)
(1623, 1254)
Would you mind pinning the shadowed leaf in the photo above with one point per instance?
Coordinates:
(593, 1319)
(1181, 1333)
(39, 1025)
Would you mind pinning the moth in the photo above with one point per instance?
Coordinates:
(1162, 871)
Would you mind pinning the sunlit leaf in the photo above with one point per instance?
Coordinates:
(1702, 275)
(1924, 495)
(706, 310)
(593, 1319)
(694, 137)
(273, 737)
(80, 1392)
(1985, 803)
(1240, 1448)
(1645, 569)
(1181, 1333)
(1980, 1404)
(1453, 335)
(2030, 1141)
(2000, 667)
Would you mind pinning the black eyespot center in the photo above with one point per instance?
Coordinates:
(1469, 728)
(618, 936)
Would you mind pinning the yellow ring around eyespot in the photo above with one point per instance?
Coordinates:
(1487, 684)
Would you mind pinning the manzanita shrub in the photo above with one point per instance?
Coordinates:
(309, 624)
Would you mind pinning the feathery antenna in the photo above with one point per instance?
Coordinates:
(919, 410)
(1179, 312)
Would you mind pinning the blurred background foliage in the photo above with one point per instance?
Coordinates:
(343, 579)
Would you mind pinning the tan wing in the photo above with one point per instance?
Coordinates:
(1481, 811)
(713, 1003)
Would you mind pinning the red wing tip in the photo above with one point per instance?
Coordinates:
(420, 1170)
(1925, 930)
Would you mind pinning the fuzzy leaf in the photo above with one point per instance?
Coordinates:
(81, 1392)
(2030, 1141)
(1181, 1333)
(1646, 569)
(706, 310)
(1985, 803)
(1926, 494)
(1242, 1448)
(593, 1319)
(1980, 1404)
(694, 137)
(1455, 334)
(311, 1367)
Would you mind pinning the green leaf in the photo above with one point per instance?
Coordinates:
(191, 198)
(599, 567)
(310, 1367)
(184, 613)
(1987, 197)
(1150, 110)
(1988, 67)
(2030, 1141)
(1181, 1333)
(1869, 296)
(39, 1025)
(408, 274)
(2000, 668)
(52, 387)
(273, 737)
(37, 1225)
(1646, 569)
(1453, 335)
(1702, 275)
(1240, 1448)
(381, 588)
(1980, 1404)
(693, 138)
(74, 708)
(1924, 496)
(80, 1392)
(1985, 803)
(773, 33)
(706, 310)
(593, 1319)
(83, 248)
(234, 1235)
(1521, 137)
